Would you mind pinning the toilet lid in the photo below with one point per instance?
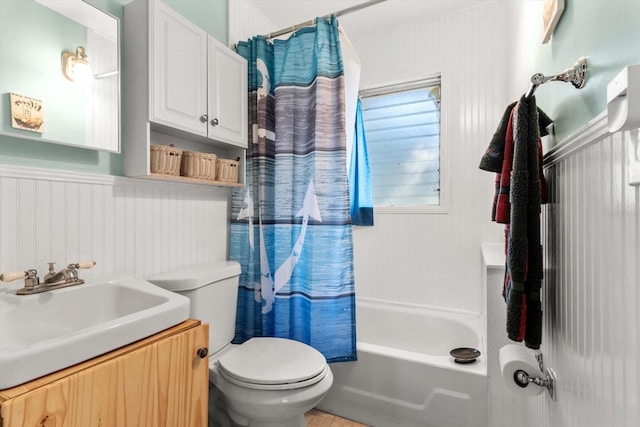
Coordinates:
(273, 363)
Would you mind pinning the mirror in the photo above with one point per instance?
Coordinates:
(38, 101)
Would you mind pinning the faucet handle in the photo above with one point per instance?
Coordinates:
(31, 279)
(83, 264)
(10, 276)
(51, 273)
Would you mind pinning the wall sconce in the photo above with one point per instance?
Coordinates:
(75, 67)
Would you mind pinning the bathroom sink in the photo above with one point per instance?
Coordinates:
(45, 332)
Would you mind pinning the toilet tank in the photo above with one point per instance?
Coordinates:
(212, 289)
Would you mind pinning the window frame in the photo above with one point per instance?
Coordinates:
(443, 207)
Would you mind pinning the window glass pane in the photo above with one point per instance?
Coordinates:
(403, 141)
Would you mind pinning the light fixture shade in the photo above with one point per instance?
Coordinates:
(75, 67)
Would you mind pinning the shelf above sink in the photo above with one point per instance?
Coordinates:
(46, 332)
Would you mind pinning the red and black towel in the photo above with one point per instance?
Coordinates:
(515, 154)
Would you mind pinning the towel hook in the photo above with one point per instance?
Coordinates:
(576, 75)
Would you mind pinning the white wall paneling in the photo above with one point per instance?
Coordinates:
(432, 259)
(246, 21)
(125, 225)
(591, 289)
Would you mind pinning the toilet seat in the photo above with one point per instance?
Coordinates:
(273, 364)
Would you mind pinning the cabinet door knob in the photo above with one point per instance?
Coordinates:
(204, 118)
(214, 122)
(202, 352)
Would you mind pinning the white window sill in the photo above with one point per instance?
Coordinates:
(386, 210)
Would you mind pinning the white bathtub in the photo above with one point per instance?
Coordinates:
(404, 375)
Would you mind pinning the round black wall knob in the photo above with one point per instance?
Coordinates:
(202, 352)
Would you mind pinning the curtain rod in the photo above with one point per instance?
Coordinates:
(312, 22)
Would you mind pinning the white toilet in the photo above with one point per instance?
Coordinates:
(266, 382)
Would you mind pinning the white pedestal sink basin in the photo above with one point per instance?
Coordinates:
(45, 332)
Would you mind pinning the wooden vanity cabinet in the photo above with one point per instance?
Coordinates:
(160, 381)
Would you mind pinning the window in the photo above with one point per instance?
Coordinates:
(402, 125)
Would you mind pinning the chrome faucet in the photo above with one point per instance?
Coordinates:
(52, 280)
(66, 275)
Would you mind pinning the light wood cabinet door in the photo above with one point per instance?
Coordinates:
(164, 383)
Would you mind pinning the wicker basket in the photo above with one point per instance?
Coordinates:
(198, 165)
(227, 170)
(165, 160)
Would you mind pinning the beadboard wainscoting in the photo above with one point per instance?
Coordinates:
(125, 225)
(245, 20)
(432, 258)
(591, 289)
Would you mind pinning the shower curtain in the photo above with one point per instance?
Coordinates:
(360, 175)
(290, 227)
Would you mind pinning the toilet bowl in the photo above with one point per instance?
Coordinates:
(270, 381)
(265, 382)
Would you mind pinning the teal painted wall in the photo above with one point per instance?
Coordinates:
(210, 15)
(608, 34)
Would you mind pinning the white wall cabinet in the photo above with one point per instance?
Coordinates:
(181, 87)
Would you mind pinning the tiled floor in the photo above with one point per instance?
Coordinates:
(317, 418)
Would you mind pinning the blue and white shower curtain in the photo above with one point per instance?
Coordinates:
(360, 175)
(290, 227)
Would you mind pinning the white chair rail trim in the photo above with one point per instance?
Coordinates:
(56, 175)
(592, 131)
